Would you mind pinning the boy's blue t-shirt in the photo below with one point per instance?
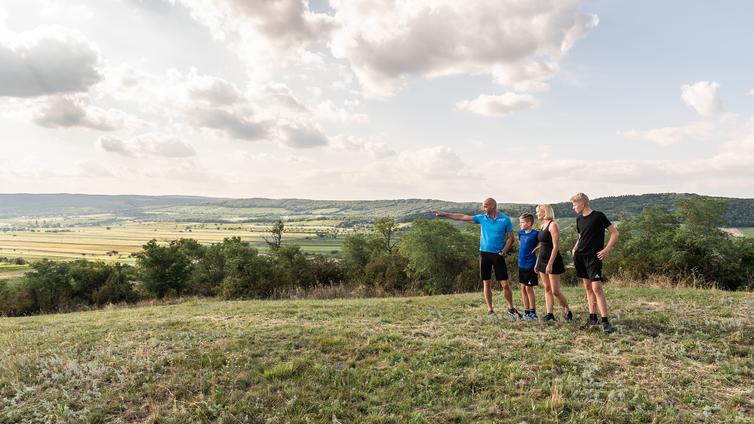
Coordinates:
(526, 257)
(492, 231)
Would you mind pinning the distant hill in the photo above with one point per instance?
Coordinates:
(206, 209)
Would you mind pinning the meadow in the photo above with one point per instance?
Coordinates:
(680, 355)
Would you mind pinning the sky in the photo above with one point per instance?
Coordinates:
(524, 101)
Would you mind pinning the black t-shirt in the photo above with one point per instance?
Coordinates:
(591, 229)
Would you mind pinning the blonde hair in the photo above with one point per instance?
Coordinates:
(547, 209)
(580, 197)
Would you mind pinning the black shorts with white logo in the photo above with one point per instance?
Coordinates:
(527, 276)
(588, 266)
(487, 261)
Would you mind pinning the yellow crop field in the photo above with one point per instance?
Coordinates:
(118, 242)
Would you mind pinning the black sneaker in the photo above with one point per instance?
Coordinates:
(568, 316)
(514, 314)
(588, 324)
(549, 317)
(490, 314)
(607, 328)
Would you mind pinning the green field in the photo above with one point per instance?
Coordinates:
(679, 356)
(118, 241)
(747, 231)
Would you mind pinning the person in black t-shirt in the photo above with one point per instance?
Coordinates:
(588, 254)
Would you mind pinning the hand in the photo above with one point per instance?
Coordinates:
(548, 269)
(502, 252)
(602, 254)
(573, 251)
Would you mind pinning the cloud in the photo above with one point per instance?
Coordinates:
(372, 146)
(498, 105)
(301, 135)
(212, 90)
(283, 23)
(47, 60)
(150, 144)
(68, 111)
(94, 169)
(702, 96)
(238, 124)
(518, 42)
(671, 135)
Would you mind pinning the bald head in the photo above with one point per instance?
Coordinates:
(490, 206)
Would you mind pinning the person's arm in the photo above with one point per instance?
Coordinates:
(602, 254)
(455, 216)
(508, 242)
(555, 233)
(576, 245)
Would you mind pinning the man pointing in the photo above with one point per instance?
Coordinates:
(496, 238)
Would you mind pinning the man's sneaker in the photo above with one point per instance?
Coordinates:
(514, 314)
(568, 316)
(607, 328)
(588, 324)
(549, 317)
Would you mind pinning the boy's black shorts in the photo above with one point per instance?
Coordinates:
(588, 266)
(527, 276)
(487, 261)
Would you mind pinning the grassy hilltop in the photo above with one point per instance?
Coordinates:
(680, 355)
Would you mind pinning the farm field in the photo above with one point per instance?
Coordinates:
(423, 359)
(747, 231)
(118, 241)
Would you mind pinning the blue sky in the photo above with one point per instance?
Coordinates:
(523, 101)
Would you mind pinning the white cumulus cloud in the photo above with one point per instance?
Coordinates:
(702, 96)
(47, 60)
(149, 144)
(501, 105)
(518, 42)
(671, 135)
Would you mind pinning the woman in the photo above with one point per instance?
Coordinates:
(550, 263)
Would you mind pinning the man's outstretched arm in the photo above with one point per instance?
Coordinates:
(455, 216)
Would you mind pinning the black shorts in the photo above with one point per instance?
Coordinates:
(487, 261)
(527, 276)
(588, 266)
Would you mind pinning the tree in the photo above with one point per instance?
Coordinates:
(164, 269)
(276, 234)
(386, 229)
(699, 211)
(438, 253)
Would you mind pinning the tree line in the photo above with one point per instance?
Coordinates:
(428, 257)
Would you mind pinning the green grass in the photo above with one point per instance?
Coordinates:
(747, 231)
(679, 356)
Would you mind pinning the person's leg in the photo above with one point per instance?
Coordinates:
(548, 291)
(488, 295)
(599, 295)
(590, 300)
(507, 292)
(525, 297)
(531, 297)
(555, 286)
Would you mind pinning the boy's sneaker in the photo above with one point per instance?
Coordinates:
(549, 317)
(568, 316)
(530, 316)
(490, 314)
(589, 324)
(607, 328)
(514, 314)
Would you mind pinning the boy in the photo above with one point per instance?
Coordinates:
(588, 254)
(527, 277)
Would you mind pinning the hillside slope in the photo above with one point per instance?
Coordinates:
(426, 359)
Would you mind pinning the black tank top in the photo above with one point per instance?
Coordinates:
(545, 241)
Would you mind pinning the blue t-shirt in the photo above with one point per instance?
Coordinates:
(493, 231)
(526, 257)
